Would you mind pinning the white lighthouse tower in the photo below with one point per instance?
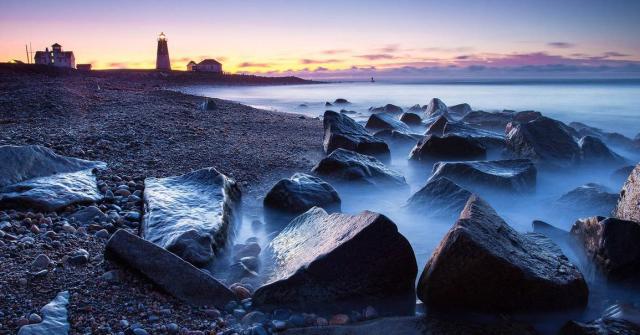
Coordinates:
(162, 58)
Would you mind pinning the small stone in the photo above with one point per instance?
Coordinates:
(123, 192)
(297, 320)
(102, 233)
(339, 319)
(68, 228)
(279, 325)
(251, 262)
(240, 291)
(239, 313)
(258, 330)
(281, 314)
(370, 313)
(133, 216)
(22, 322)
(34, 229)
(212, 313)
(34, 318)
(113, 276)
(321, 322)
(172, 328)
(140, 331)
(124, 324)
(41, 262)
(253, 317)
(79, 257)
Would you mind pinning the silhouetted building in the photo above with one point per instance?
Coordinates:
(207, 65)
(55, 57)
(162, 59)
(83, 67)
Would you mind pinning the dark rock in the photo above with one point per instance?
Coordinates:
(345, 165)
(517, 175)
(209, 105)
(344, 111)
(417, 109)
(78, 257)
(88, 215)
(237, 271)
(628, 207)
(528, 271)
(443, 127)
(554, 233)
(340, 131)
(588, 200)
(612, 139)
(411, 119)
(612, 244)
(381, 121)
(396, 138)
(450, 147)
(594, 151)
(300, 193)
(36, 177)
(440, 198)
(340, 101)
(436, 108)
(191, 215)
(168, 271)
(55, 320)
(493, 121)
(460, 110)
(544, 141)
(617, 319)
(388, 108)
(323, 259)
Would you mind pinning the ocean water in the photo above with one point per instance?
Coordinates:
(613, 107)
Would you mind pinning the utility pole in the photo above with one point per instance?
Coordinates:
(27, 51)
(31, 51)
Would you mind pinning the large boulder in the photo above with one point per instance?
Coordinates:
(439, 198)
(411, 119)
(628, 207)
(493, 121)
(588, 200)
(54, 318)
(544, 141)
(450, 147)
(515, 175)
(345, 165)
(191, 215)
(460, 110)
(340, 131)
(613, 139)
(325, 260)
(593, 150)
(36, 177)
(443, 126)
(388, 108)
(168, 271)
(612, 244)
(381, 121)
(436, 108)
(483, 265)
(300, 193)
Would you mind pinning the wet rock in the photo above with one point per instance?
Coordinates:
(493, 121)
(459, 110)
(34, 318)
(528, 271)
(341, 101)
(54, 318)
(388, 108)
(554, 233)
(616, 319)
(254, 317)
(36, 177)
(613, 139)
(396, 138)
(78, 257)
(168, 271)
(340, 131)
(41, 262)
(238, 271)
(345, 165)
(439, 198)
(322, 261)
(88, 215)
(411, 119)
(628, 207)
(300, 193)
(612, 244)
(436, 108)
(417, 109)
(339, 319)
(443, 127)
(516, 175)
(544, 141)
(191, 215)
(588, 200)
(381, 121)
(450, 147)
(594, 151)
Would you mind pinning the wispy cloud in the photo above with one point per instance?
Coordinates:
(615, 54)
(376, 56)
(250, 64)
(335, 51)
(561, 45)
(389, 48)
(319, 61)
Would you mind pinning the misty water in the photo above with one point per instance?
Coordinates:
(613, 107)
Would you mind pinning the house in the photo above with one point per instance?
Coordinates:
(56, 57)
(207, 65)
(83, 67)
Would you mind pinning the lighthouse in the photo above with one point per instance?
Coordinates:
(162, 58)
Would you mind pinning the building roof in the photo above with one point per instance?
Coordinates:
(209, 62)
(56, 45)
(191, 62)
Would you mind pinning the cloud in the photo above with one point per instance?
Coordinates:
(119, 65)
(319, 61)
(250, 64)
(376, 56)
(389, 48)
(321, 69)
(561, 45)
(614, 54)
(335, 51)
(463, 57)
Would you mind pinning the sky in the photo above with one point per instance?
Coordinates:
(331, 39)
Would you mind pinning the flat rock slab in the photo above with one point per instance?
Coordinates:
(54, 318)
(191, 215)
(515, 175)
(483, 265)
(345, 165)
(341, 131)
(628, 207)
(322, 260)
(168, 271)
(36, 177)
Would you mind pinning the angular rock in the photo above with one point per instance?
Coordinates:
(516, 175)
(411, 119)
(345, 165)
(527, 272)
(36, 177)
(381, 121)
(439, 198)
(612, 139)
(87, 215)
(388, 108)
(443, 126)
(168, 271)
(328, 260)
(612, 244)
(493, 121)
(340, 131)
(449, 147)
(554, 233)
(436, 108)
(397, 138)
(341, 101)
(628, 207)
(616, 319)
(460, 110)
(588, 200)
(300, 193)
(54, 318)
(594, 151)
(191, 215)
(417, 108)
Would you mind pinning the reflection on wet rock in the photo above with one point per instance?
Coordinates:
(345, 165)
(516, 175)
(340, 131)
